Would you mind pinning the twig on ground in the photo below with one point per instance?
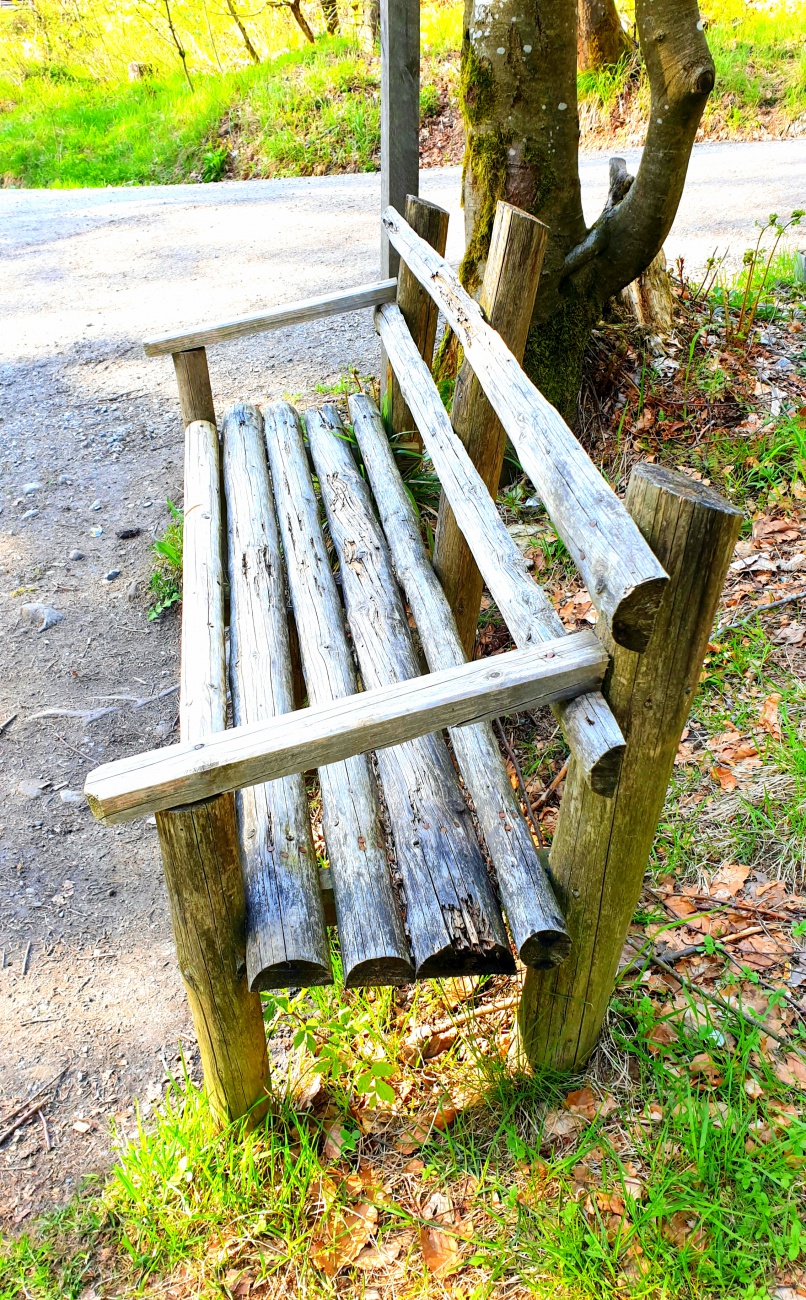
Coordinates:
(530, 812)
(549, 791)
(4, 726)
(25, 958)
(45, 1130)
(80, 752)
(759, 609)
(26, 1105)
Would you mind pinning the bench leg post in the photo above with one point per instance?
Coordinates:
(193, 379)
(602, 846)
(202, 863)
(507, 298)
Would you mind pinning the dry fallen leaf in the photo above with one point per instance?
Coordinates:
(341, 1236)
(792, 634)
(557, 1124)
(660, 1036)
(682, 1229)
(792, 1071)
(440, 1249)
(724, 776)
(728, 880)
(383, 1253)
(423, 1127)
(334, 1140)
(768, 718)
(703, 1066)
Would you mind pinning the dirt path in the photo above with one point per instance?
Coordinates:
(89, 441)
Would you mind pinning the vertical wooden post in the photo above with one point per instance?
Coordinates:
(419, 310)
(199, 843)
(507, 299)
(601, 846)
(400, 112)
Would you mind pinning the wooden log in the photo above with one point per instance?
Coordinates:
(419, 311)
(624, 579)
(327, 733)
(453, 916)
(199, 844)
(589, 727)
(400, 111)
(507, 298)
(286, 938)
(193, 378)
(373, 942)
(535, 921)
(649, 298)
(600, 849)
(295, 313)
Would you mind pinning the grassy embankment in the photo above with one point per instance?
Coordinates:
(313, 109)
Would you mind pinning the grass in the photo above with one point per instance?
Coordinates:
(308, 110)
(165, 584)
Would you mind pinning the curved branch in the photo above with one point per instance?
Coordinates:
(631, 230)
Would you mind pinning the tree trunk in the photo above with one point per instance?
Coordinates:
(236, 18)
(601, 39)
(330, 9)
(302, 22)
(518, 95)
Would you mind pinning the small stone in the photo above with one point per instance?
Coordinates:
(111, 575)
(64, 480)
(71, 796)
(126, 534)
(96, 531)
(29, 488)
(131, 590)
(45, 615)
(33, 789)
(76, 554)
(783, 363)
(163, 729)
(29, 514)
(96, 505)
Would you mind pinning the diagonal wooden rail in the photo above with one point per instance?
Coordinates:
(624, 579)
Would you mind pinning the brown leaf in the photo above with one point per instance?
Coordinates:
(583, 1102)
(682, 1229)
(724, 776)
(679, 905)
(792, 1071)
(423, 1127)
(792, 634)
(341, 1236)
(440, 1251)
(660, 1036)
(557, 1124)
(768, 718)
(385, 1252)
(728, 880)
(333, 1140)
(704, 1067)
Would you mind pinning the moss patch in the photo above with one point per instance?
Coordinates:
(555, 351)
(486, 159)
(476, 85)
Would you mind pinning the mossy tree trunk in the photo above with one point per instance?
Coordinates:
(601, 40)
(519, 101)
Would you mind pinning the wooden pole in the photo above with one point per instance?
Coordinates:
(199, 843)
(601, 847)
(400, 112)
(507, 299)
(419, 310)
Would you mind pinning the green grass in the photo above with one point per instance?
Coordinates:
(165, 584)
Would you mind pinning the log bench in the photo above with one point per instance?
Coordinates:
(316, 637)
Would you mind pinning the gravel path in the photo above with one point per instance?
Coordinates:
(89, 439)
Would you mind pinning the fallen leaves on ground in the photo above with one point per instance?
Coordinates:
(341, 1235)
(441, 1250)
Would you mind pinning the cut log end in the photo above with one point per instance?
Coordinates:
(290, 975)
(634, 617)
(451, 962)
(603, 776)
(380, 972)
(545, 949)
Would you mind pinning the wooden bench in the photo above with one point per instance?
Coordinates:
(426, 846)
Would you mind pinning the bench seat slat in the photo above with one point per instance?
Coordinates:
(286, 938)
(535, 920)
(453, 916)
(374, 949)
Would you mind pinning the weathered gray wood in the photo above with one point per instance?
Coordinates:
(400, 111)
(507, 298)
(588, 724)
(623, 577)
(418, 309)
(535, 921)
(453, 917)
(286, 938)
(193, 379)
(600, 849)
(296, 313)
(373, 942)
(327, 733)
(199, 844)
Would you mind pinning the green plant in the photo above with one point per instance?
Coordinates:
(165, 584)
(214, 163)
(429, 102)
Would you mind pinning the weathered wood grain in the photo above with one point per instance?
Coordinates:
(452, 913)
(588, 725)
(600, 849)
(286, 938)
(199, 844)
(535, 921)
(373, 942)
(193, 380)
(295, 313)
(507, 298)
(419, 312)
(400, 110)
(623, 577)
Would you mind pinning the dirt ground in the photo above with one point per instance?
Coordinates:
(91, 447)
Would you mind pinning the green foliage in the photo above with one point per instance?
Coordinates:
(166, 578)
(429, 101)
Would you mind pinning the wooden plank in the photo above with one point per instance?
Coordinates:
(588, 725)
(507, 298)
(193, 379)
(418, 309)
(451, 911)
(199, 845)
(623, 577)
(373, 942)
(296, 313)
(600, 849)
(327, 733)
(400, 111)
(286, 938)
(535, 921)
